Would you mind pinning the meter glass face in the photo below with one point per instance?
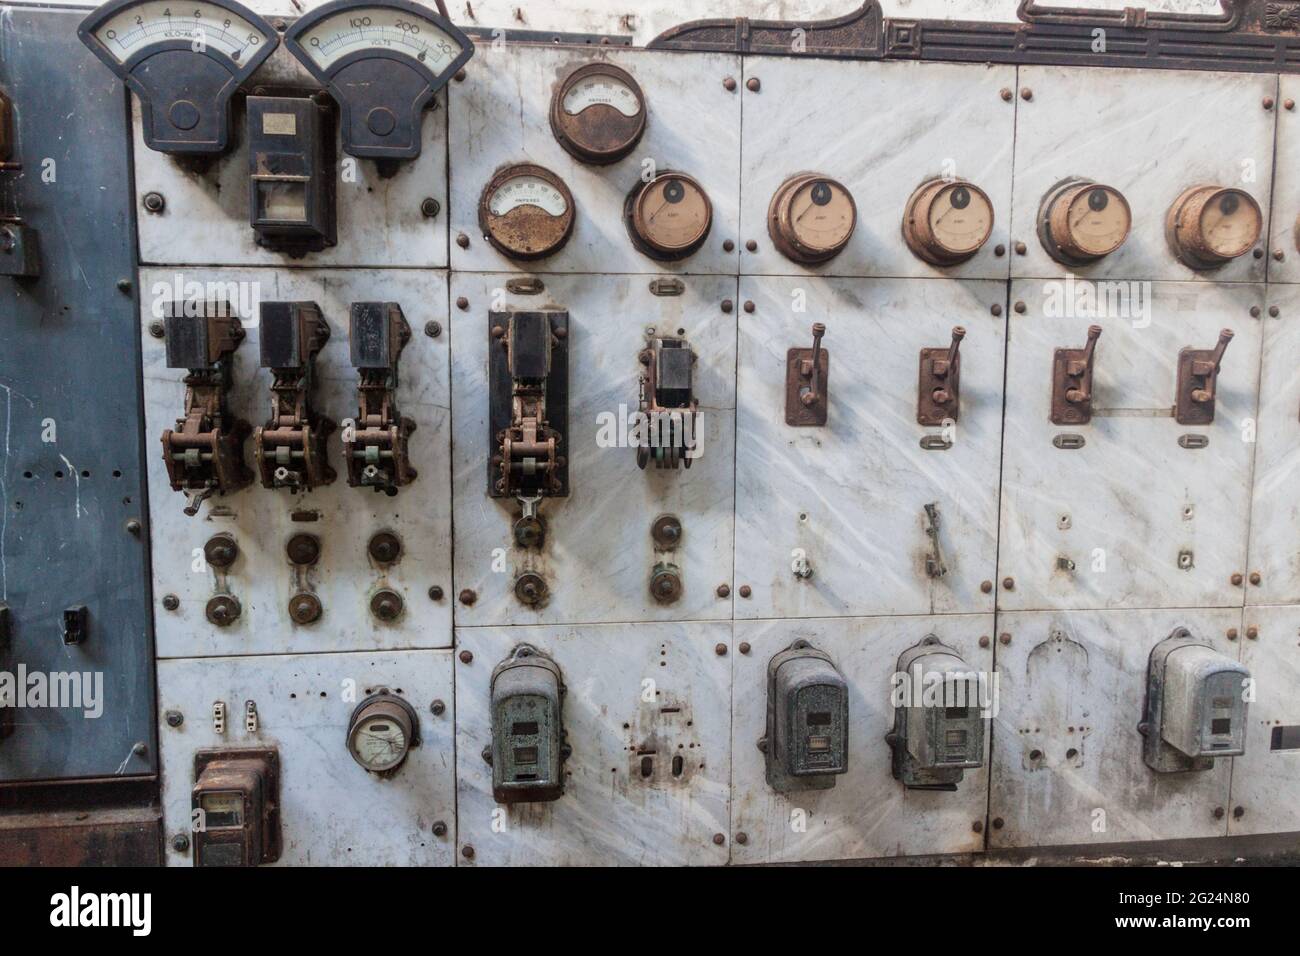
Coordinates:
(960, 219)
(222, 809)
(379, 743)
(1230, 223)
(527, 190)
(821, 215)
(601, 89)
(379, 28)
(1098, 221)
(202, 26)
(672, 214)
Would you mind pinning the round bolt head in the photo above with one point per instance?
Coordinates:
(171, 602)
(751, 245)
(220, 550)
(462, 303)
(1218, 813)
(744, 647)
(1006, 94)
(1255, 577)
(986, 586)
(1232, 634)
(304, 608)
(984, 641)
(223, 610)
(386, 605)
(718, 838)
(385, 547)
(742, 837)
(666, 531)
(1026, 93)
(727, 306)
(467, 852)
(462, 240)
(157, 329)
(530, 588)
(133, 526)
(977, 826)
(433, 329)
(430, 207)
(468, 597)
(745, 590)
(303, 549)
(439, 828)
(724, 591)
(998, 823)
(466, 657)
(435, 593)
(1252, 632)
(175, 718)
(181, 843)
(154, 202)
(720, 650)
(728, 245)
(437, 708)
(749, 305)
(1004, 638)
(753, 85)
(1009, 584)
(1237, 578)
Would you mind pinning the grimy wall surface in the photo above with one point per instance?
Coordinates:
(853, 509)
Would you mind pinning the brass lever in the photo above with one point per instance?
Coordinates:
(806, 373)
(1198, 378)
(811, 368)
(1079, 369)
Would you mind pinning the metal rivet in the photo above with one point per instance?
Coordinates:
(181, 843)
(1252, 632)
(1274, 311)
(744, 647)
(745, 591)
(154, 203)
(1009, 584)
(727, 306)
(728, 245)
(749, 305)
(995, 309)
(742, 837)
(720, 650)
(1004, 638)
(133, 526)
(430, 207)
(998, 823)
(1254, 312)
(1278, 255)
(438, 708)
(719, 839)
(724, 590)
(462, 240)
(729, 84)
(1020, 308)
(999, 250)
(1026, 93)
(1006, 94)
(157, 329)
(460, 78)
(462, 303)
(435, 593)
(1232, 634)
(751, 245)
(175, 718)
(753, 85)
(1268, 102)
(1237, 579)
(1238, 812)
(1289, 104)
(171, 602)
(984, 640)
(466, 657)
(977, 826)
(1021, 248)
(1255, 577)
(986, 586)
(467, 852)
(1218, 813)
(433, 329)
(439, 828)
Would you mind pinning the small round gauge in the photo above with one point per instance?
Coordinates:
(669, 217)
(526, 212)
(1208, 226)
(811, 218)
(1081, 221)
(382, 731)
(947, 221)
(598, 113)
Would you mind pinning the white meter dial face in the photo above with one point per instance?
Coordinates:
(379, 28)
(205, 27)
(379, 743)
(601, 89)
(1230, 224)
(527, 191)
(961, 219)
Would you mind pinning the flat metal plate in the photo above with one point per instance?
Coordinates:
(1126, 504)
(631, 688)
(852, 495)
(380, 223)
(911, 122)
(333, 812)
(1264, 780)
(599, 555)
(868, 813)
(1150, 134)
(71, 472)
(1072, 685)
(499, 116)
(1275, 508)
(262, 519)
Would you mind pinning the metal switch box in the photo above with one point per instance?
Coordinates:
(235, 807)
(291, 173)
(528, 743)
(1196, 705)
(807, 739)
(935, 740)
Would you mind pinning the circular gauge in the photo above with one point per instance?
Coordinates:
(811, 218)
(668, 217)
(382, 731)
(1210, 225)
(133, 28)
(598, 113)
(1081, 221)
(947, 221)
(526, 212)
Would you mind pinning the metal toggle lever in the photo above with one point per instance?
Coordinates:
(939, 390)
(805, 382)
(1198, 376)
(1072, 382)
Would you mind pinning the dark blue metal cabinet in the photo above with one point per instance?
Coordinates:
(73, 534)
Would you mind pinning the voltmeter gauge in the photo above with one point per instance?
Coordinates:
(382, 62)
(526, 212)
(811, 218)
(185, 62)
(382, 731)
(1081, 221)
(598, 113)
(947, 221)
(669, 217)
(1210, 225)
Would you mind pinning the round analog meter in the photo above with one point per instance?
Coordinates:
(947, 221)
(668, 217)
(526, 212)
(1080, 221)
(382, 731)
(598, 113)
(811, 218)
(1210, 225)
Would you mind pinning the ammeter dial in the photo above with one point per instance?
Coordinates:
(947, 221)
(184, 62)
(382, 731)
(1208, 226)
(382, 61)
(598, 113)
(526, 212)
(669, 217)
(1081, 221)
(811, 218)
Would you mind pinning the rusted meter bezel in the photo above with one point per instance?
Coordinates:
(783, 231)
(1182, 226)
(600, 134)
(919, 236)
(487, 220)
(1053, 221)
(385, 704)
(634, 218)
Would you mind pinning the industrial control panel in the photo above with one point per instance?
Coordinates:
(439, 442)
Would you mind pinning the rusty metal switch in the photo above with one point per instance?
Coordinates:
(375, 445)
(204, 452)
(934, 742)
(806, 744)
(1072, 382)
(235, 804)
(290, 448)
(806, 373)
(669, 409)
(528, 746)
(939, 390)
(1198, 377)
